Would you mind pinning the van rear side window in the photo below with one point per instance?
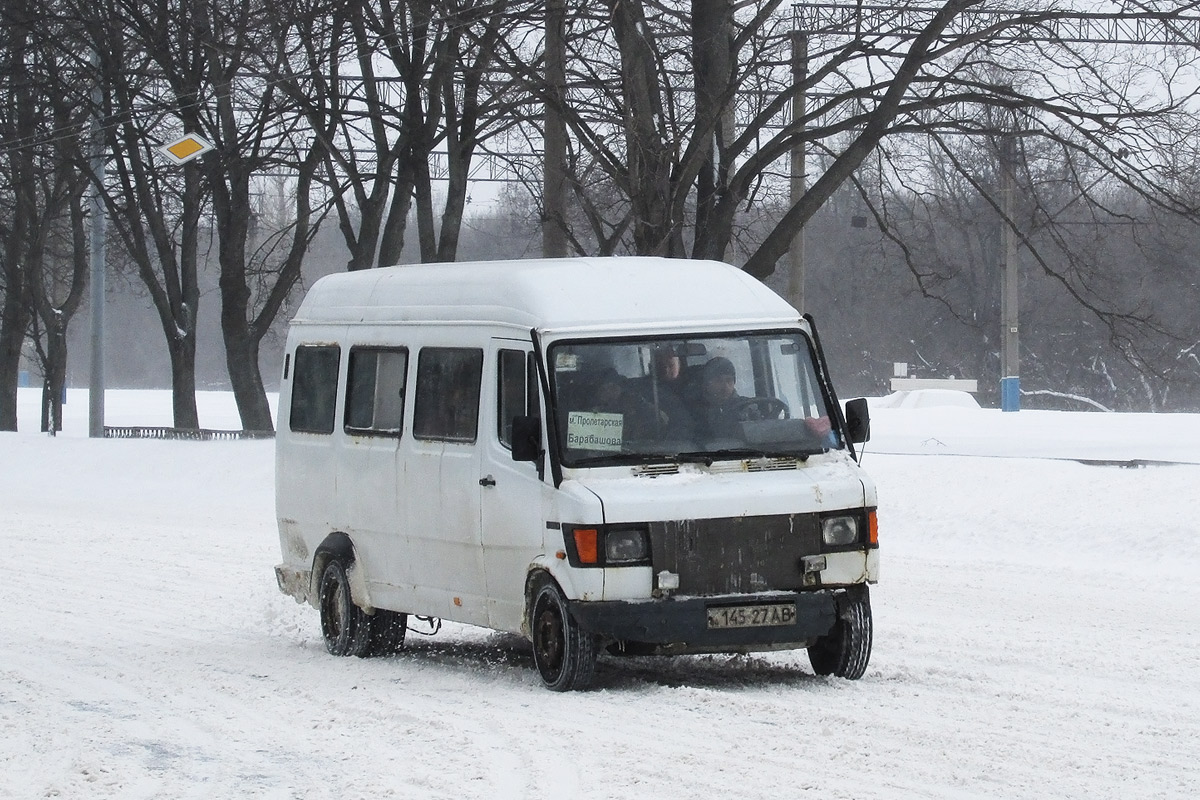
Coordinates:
(375, 391)
(447, 405)
(314, 388)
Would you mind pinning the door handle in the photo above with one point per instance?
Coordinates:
(487, 480)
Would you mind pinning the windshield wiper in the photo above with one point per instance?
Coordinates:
(707, 457)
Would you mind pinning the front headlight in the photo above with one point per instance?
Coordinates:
(839, 531)
(626, 546)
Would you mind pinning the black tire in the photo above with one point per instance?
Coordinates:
(387, 632)
(846, 649)
(564, 653)
(345, 627)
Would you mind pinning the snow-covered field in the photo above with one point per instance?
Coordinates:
(1036, 636)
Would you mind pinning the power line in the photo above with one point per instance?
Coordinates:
(902, 20)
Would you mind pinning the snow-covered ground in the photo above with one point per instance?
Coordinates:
(1036, 636)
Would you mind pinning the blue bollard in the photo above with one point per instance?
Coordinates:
(1010, 394)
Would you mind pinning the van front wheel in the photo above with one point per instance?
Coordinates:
(846, 649)
(345, 627)
(387, 632)
(565, 654)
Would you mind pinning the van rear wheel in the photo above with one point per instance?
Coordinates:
(564, 653)
(345, 627)
(846, 649)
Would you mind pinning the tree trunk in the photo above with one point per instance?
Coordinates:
(231, 201)
(554, 170)
(394, 229)
(18, 227)
(55, 381)
(17, 311)
(460, 147)
(14, 321)
(712, 34)
(649, 189)
(426, 229)
(241, 343)
(183, 383)
(241, 359)
(456, 202)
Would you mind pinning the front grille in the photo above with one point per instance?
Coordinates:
(735, 555)
(655, 470)
(755, 465)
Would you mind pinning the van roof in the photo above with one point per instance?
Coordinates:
(552, 295)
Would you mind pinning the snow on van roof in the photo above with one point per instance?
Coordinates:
(549, 294)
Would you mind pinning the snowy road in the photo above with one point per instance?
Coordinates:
(1036, 636)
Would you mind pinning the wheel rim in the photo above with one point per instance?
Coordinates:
(548, 640)
(333, 602)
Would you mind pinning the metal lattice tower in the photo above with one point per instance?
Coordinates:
(903, 21)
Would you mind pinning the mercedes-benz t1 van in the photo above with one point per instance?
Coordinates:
(621, 455)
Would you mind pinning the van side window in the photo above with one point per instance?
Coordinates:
(517, 391)
(447, 404)
(314, 390)
(375, 391)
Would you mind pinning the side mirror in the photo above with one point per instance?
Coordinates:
(526, 438)
(858, 420)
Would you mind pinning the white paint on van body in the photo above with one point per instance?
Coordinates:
(577, 295)
(431, 535)
(824, 483)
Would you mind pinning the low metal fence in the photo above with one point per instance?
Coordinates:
(194, 434)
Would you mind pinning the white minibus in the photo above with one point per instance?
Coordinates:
(606, 455)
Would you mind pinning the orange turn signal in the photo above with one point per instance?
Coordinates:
(587, 545)
(872, 528)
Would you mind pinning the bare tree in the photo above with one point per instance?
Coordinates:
(19, 214)
(210, 63)
(1107, 288)
(59, 270)
(155, 208)
(40, 190)
(401, 95)
(688, 110)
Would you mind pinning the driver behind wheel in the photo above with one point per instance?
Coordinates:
(721, 408)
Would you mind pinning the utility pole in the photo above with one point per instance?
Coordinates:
(554, 232)
(96, 262)
(1010, 350)
(797, 170)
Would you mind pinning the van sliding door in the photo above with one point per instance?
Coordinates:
(442, 477)
(369, 468)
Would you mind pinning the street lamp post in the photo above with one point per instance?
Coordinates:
(96, 267)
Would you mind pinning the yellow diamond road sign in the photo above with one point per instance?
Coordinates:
(186, 148)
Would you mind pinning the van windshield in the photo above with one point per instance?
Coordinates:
(699, 398)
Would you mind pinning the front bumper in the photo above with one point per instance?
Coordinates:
(680, 624)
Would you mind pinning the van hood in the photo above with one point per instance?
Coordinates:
(823, 483)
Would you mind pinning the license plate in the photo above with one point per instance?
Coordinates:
(752, 616)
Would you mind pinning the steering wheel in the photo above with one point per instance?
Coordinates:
(764, 408)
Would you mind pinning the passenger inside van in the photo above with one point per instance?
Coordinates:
(663, 390)
(609, 392)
